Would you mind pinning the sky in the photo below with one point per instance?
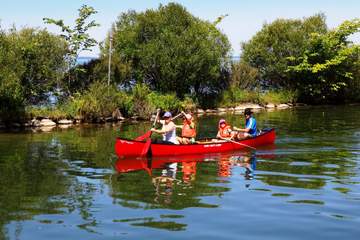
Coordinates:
(245, 17)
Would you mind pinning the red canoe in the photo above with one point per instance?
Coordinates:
(133, 148)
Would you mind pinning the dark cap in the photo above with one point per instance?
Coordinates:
(248, 111)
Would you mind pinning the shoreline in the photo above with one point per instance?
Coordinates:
(45, 124)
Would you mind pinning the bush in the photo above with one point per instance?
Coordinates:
(99, 101)
(234, 96)
(276, 97)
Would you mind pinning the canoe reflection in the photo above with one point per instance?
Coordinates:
(187, 165)
(179, 182)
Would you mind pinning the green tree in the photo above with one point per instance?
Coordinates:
(11, 92)
(325, 69)
(32, 62)
(78, 39)
(269, 48)
(173, 51)
(42, 56)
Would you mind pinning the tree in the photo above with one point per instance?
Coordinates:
(173, 51)
(269, 49)
(32, 62)
(77, 37)
(326, 67)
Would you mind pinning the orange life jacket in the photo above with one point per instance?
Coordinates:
(224, 132)
(187, 131)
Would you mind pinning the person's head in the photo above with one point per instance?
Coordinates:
(247, 113)
(222, 123)
(167, 117)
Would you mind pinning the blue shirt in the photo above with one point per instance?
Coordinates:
(251, 123)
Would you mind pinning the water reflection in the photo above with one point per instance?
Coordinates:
(64, 181)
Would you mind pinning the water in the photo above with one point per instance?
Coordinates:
(68, 184)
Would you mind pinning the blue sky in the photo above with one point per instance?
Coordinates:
(246, 17)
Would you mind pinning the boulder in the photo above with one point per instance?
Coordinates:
(200, 111)
(210, 111)
(221, 109)
(47, 123)
(65, 122)
(270, 105)
(282, 106)
(35, 123)
(248, 105)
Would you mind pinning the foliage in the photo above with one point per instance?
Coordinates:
(234, 96)
(42, 56)
(11, 92)
(172, 51)
(279, 96)
(77, 37)
(325, 68)
(100, 100)
(269, 48)
(31, 63)
(244, 76)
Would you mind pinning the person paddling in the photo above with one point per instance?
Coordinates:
(188, 132)
(224, 130)
(250, 126)
(168, 129)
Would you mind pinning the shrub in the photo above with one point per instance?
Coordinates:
(234, 96)
(99, 101)
(276, 97)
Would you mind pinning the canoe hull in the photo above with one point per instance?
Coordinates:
(131, 148)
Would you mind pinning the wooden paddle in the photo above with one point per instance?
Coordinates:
(148, 141)
(242, 144)
(148, 133)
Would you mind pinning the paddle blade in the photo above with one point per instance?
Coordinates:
(146, 147)
(144, 136)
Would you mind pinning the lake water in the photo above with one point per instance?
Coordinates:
(69, 184)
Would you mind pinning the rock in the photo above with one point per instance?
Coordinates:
(300, 105)
(16, 125)
(35, 123)
(248, 105)
(231, 109)
(46, 123)
(221, 109)
(200, 111)
(270, 105)
(65, 122)
(2, 126)
(239, 109)
(27, 124)
(210, 111)
(282, 106)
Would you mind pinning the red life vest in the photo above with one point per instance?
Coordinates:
(224, 132)
(187, 131)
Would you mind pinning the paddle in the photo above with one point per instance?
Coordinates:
(242, 144)
(148, 141)
(148, 133)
